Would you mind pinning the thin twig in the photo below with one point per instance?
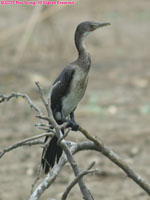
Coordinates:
(77, 178)
(75, 181)
(46, 144)
(23, 142)
(42, 95)
(64, 136)
(50, 93)
(64, 125)
(18, 94)
(44, 127)
(48, 180)
(91, 165)
(37, 178)
(34, 142)
(44, 118)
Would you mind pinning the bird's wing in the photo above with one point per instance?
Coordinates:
(62, 88)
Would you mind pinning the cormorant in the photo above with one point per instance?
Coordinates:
(69, 91)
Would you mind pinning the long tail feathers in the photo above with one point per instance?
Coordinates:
(51, 154)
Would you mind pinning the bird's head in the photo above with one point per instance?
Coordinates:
(86, 27)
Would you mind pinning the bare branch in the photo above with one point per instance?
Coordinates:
(37, 178)
(34, 142)
(50, 93)
(44, 118)
(118, 161)
(42, 96)
(84, 190)
(23, 142)
(93, 144)
(91, 165)
(45, 127)
(56, 170)
(49, 179)
(64, 136)
(75, 181)
(47, 105)
(77, 178)
(18, 94)
(88, 145)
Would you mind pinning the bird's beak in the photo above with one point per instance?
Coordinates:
(98, 25)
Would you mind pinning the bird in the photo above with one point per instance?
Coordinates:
(66, 95)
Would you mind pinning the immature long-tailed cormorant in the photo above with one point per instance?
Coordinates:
(69, 91)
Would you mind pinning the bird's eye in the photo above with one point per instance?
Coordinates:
(92, 27)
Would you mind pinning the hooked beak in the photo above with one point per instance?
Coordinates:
(98, 25)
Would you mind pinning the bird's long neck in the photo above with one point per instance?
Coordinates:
(83, 55)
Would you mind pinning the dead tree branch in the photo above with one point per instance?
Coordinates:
(76, 179)
(84, 190)
(42, 96)
(118, 161)
(48, 180)
(24, 142)
(69, 150)
(25, 96)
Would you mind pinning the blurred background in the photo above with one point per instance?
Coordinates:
(36, 42)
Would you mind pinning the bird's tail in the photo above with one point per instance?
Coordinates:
(51, 154)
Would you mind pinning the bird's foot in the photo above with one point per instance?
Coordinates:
(74, 126)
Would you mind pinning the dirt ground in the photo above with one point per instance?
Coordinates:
(116, 107)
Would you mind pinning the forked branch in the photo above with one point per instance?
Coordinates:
(92, 144)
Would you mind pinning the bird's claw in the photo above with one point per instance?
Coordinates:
(73, 125)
